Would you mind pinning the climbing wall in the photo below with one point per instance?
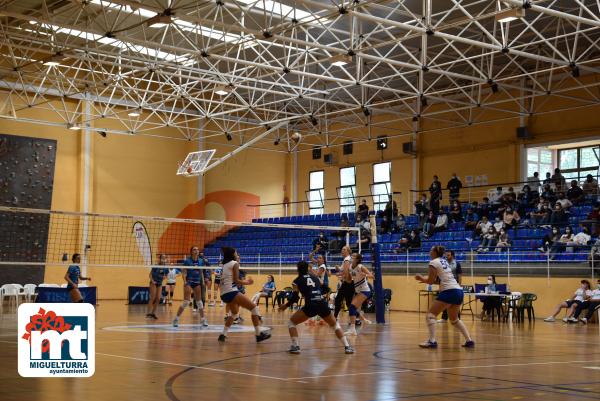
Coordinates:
(26, 181)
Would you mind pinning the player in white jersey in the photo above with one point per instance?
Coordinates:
(230, 294)
(171, 283)
(450, 297)
(362, 292)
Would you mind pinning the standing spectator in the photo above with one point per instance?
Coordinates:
(456, 212)
(548, 180)
(454, 186)
(441, 223)
(503, 240)
(534, 182)
(575, 194)
(363, 210)
(511, 218)
(471, 219)
(496, 197)
(422, 205)
(320, 244)
(429, 224)
(484, 208)
(559, 217)
(548, 193)
(559, 180)
(560, 245)
(391, 211)
(579, 240)
(549, 239)
(435, 191)
(564, 202)
(590, 186)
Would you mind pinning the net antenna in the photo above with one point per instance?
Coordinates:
(195, 163)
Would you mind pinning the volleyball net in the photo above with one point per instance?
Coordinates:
(35, 237)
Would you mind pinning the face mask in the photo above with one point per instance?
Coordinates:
(490, 282)
(554, 232)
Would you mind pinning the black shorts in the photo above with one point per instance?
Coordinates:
(315, 308)
(570, 302)
(192, 284)
(157, 283)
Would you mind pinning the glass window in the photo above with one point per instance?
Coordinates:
(578, 162)
(546, 156)
(533, 155)
(347, 191)
(316, 193)
(567, 159)
(588, 158)
(381, 189)
(540, 160)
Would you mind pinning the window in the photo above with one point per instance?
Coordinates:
(316, 193)
(540, 160)
(577, 163)
(381, 189)
(347, 192)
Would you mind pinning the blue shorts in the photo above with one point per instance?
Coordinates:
(314, 308)
(157, 283)
(192, 284)
(227, 298)
(452, 297)
(70, 287)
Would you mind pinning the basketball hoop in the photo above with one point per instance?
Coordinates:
(195, 163)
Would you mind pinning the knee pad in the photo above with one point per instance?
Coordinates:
(291, 325)
(430, 318)
(200, 304)
(185, 303)
(454, 322)
(352, 310)
(337, 326)
(255, 311)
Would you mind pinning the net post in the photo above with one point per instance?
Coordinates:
(378, 281)
(348, 238)
(407, 265)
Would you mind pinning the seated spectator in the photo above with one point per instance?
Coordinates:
(453, 187)
(580, 239)
(542, 214)
(441, 223)
(455, 212)
(592, 220)
(559, 216)
(363, 210)
(561, 244)
(385, 226)
(594, 258)
(422, 205)
(549, 239)
(511, 218)
(364, 241)
(400, 224)
(498, 224)
(548, 194)
(489, 240)
(471, 219)
(548, 181)
(429, 224)
(266, 291)
(559, 180)
(409, 242)
(575, 194)
(503, 241)
(534, 182)
(527, 198)
(483, 226)
(321, 243)
(422, 219)
(362, 223)
(591, 304)
(590, 186)
(490, 303)
(509, 196)
(582, 294)
(484, 208)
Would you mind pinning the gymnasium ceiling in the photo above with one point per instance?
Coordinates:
(449, 63)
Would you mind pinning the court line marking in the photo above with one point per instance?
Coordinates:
(193, 366)
(445, 368)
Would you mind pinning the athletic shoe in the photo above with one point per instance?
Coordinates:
(429, 344)
(351, 332)
(442, 321)
(263, 336)
(294, 349)
(204, 323)
(153, 316)
(348, 350)
(222, 304)
(583, 320)
(550, 319)
(367, 321)
(148, 315)
(572, 320)
(565, 319)
(469, 344)
(237, 320)
(175, 322)
(222, 338)
(211, 304)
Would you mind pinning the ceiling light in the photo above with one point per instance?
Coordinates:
(511, 14)
(32, 22)
(223, 90)
(54, 60)
(134, 114)
(341, 60)
(73, 127)
(159, 21)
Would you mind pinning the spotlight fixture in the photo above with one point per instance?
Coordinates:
(160, 20)
(382, 142)
(102, 134)
(313, 120)
(510, 14)
(341, 60)
(493, 85)
(73, 127)
(574, 70)
(228, 136)
(424, 101)
(366, 111)
(276, 142)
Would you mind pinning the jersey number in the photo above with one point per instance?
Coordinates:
(310, 283)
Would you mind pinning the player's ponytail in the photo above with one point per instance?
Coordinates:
(438, 250)
(302, 267)
(228, 254)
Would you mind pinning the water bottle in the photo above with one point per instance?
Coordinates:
(429, 287)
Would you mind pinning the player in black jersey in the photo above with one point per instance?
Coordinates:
(314, 304)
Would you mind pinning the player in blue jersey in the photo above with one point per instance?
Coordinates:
(73, 276)
(193, 280)
(309, 286)
(157, 276)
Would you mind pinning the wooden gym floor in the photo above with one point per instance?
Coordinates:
(538, 361)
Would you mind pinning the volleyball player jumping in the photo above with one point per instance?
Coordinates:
(310, 287)
(450, 297)
(230, 281)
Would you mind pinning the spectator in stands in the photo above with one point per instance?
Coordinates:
(483, 226)
(456, 212)
(503, 240)
(592, 220)
(549, 194)
(498, 224)
(391, 211)
(422, 219)
(581, 294)
(363, 210)
(534, 182)
(591, 304)
(365, 240)
(441, 224)
(429, 224)
(590, 186)
(564, 201)
(581, 239)
(549, 239)
(422, 205)
(548, 180)
(527, 198)
(484, 208)
(511, 218)
(559, 217)
(435, 191)
(561, 244)
(489, 240)
(496, 197)
(409, 242)
(400, 224)
(454, 186)
(575, 194)
(559, 180)
(386, 225)
(471, 219)
(541, 215)
(362, 223)
(320, 244)
(594, 258)
(509, 196)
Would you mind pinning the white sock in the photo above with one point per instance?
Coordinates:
(344, 341)
(294, 340)
(431, 328)
(257, 330)
(225, 330)
(463, 329)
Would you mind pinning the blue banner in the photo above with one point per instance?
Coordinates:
(61, 295)
(138, 295)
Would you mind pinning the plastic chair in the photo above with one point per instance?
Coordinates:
(525, 303)
(10, 291)
(267, 298)
(30, 291)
